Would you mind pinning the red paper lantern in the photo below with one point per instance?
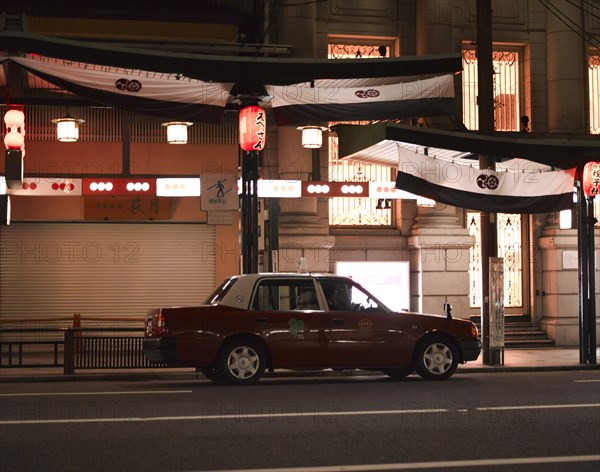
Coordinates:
(253, 128)
(591, 179)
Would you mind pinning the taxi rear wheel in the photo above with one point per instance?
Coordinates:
(242, 362)
(436, 359)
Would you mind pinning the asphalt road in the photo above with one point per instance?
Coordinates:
(536, 421)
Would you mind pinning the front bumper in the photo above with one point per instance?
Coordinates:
(162, 350)
(471, 348)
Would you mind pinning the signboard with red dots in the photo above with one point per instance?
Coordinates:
(122, 187)
(190, 187)
(48, 188)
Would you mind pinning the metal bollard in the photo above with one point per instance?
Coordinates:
(77, 331)
(69, 354)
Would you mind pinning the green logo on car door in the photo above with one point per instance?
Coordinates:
(295, 326)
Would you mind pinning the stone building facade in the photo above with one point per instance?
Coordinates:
(436, 241)
(555, 92)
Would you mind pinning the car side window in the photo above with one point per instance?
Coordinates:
(342, 295)
(285, 294)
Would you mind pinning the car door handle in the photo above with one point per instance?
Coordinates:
(338, 321)
(262, 319)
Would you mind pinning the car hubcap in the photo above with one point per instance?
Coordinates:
(438, 358)
(243, 362)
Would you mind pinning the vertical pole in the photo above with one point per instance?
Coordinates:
(126, 145)
(274, 234)
(316, 164)
(243, 212)
(587, 278)
(485, 103)
(582, 273)
(591, 312)
(254, 210)
(69, 352)
(250, 212)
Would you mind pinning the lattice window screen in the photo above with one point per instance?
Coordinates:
(506, 90)
(356, 211)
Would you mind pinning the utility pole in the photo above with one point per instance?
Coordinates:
(485, 103)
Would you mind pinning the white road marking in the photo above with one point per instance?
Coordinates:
(537, 407)
(56, 394)
(584, 381)
(257, 416)
(431, 465)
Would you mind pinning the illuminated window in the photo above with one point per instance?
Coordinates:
(594, 87)
(357, 211)
(506, 90)
(509, 247)
(363, 51)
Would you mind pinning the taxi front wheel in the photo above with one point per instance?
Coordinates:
(436, 359)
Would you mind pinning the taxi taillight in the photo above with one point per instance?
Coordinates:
(474, 332)
(160, 324)
(155, 324)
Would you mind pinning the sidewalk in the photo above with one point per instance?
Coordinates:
(515, 360)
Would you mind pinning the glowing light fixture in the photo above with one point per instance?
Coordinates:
(312, 136)
(15, 130)
(279, 188)
(177, 132)
(67, 129)
(178, 187)
(565, 219)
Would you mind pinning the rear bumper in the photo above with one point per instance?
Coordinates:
(163, 350)
(471, 348)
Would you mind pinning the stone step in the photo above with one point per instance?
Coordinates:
(528, 333)
(527, 343)
(523, 334)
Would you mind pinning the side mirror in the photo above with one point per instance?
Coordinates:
(448, 310)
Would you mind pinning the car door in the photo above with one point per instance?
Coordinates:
(359, 331)
(292, 326)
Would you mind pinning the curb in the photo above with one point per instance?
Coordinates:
(146, 376)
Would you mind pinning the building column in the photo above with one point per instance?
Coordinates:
(439, 243)
(565, 65)
(560, 283)
(303, 232)
(435, 26)
(566, 79)
(439, 248)
(297, 25)
(560, 290)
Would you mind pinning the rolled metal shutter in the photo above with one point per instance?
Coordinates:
(105, 270)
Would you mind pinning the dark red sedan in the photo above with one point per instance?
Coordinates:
(258, 322)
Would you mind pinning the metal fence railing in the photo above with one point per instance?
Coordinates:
(73, 348)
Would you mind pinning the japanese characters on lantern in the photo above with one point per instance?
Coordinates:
(591, 179)
(252, 128)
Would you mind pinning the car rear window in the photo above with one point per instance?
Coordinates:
(215, 297)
